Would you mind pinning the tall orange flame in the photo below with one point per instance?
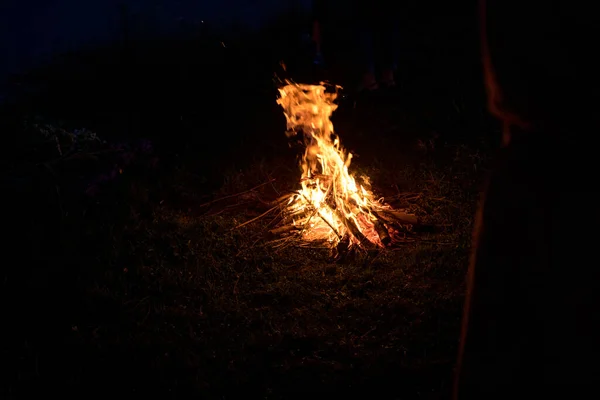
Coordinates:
(330, 206)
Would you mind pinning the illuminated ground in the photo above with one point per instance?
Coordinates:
(135, 288)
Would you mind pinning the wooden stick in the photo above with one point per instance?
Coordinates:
(382, 232)
(284, 229)
(254, 219)
(279, 200)
(317, 210)
(401, 216)
(327, 222)
(353, 229)
(235, 195)
(323, 218)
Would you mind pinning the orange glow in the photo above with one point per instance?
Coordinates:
(330, 205)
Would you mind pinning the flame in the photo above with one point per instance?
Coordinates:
(331, 205)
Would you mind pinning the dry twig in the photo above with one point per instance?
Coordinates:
(254, 219)
(235, 195)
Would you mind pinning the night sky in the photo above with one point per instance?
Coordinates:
(30, 30)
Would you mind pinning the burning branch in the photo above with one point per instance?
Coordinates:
(347, 211)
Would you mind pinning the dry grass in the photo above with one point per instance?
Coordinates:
(155, 287)
(229, 311)
(142, 289)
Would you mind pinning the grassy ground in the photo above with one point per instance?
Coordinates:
(139, 286)
(118, 278)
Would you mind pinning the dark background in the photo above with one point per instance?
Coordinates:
(137, 69)
(199, 81)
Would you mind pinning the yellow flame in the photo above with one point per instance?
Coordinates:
(330, 205)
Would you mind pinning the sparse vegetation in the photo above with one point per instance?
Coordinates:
(158, 292)
(128, 278)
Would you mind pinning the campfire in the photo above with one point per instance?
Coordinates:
(332, 206)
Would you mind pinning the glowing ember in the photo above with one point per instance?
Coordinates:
(330, 206)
